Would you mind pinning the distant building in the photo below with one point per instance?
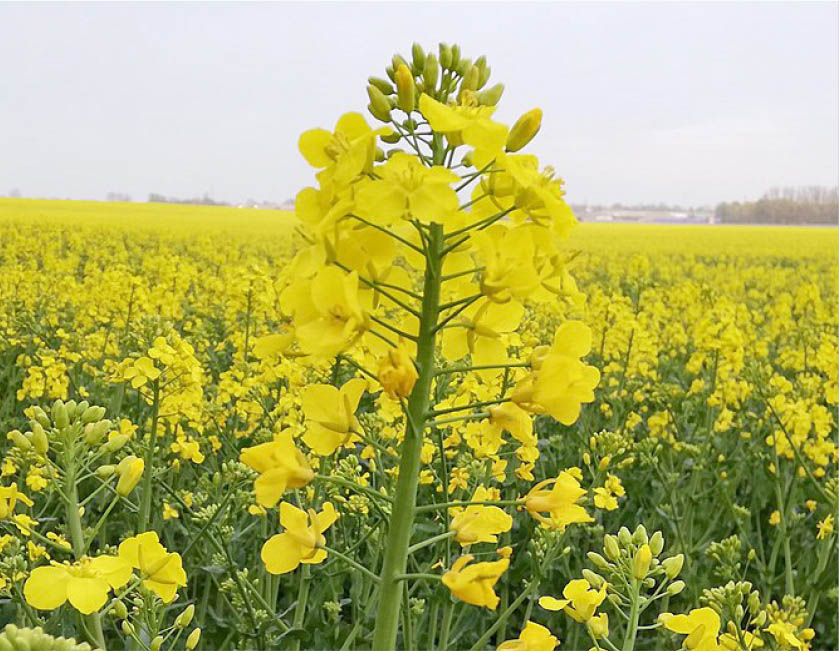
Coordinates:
(644, 215)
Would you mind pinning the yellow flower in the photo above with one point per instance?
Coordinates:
(163, 570)
(397, 373)
(560, 501)
(280, 465)
(581, 601)
(775, 518)
(466, 122)
(170, 512)
(301, 542)
(9, 495)
(533, 637)
(479, 331)
(85, 584)
(407, 189)
(701, 625)
(140, 372)
(599, 625)
(605, 497)
(130, 470)
(330, 414)
(730, 642)
(509, 416)
(479, 523)
(560, 382)
(271, 346)
(787, 636)
(474, 583)
(327, 312)
(825, 528)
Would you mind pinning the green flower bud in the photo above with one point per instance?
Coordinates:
(418, 58)
(397, 61)
(760, 620)
(118, 609)
(640, 535)
(445, 56)
(127, 627)
(656, 543)
(739, 612)
(103, 472)
(405, 89)
(390, 73)
(673, 565)
(183, 620)
(491, 96)
(598, 560)
(611, 547)
(523, 131)
(470, 81)
(41, 416)
(379, 107)
(455, 57)
(59, 415)
(116, 443)
(382, 84)
(594, 579)
(192, 640)
(675, 588)
(80, 409)
(430, 73)
(156, 643)
(624, 537)
(92, 414)
(464, 67)
(19, 440)
(95, 432)
(754, 602)
(40, 441)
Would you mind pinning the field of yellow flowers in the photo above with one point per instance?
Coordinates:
(242, 429)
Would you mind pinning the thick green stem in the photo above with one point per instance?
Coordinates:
(302, 599)
(634, 614)
(145, 503)
(404, 503)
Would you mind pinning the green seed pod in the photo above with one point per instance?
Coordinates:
(491, 96)
(675, 588)
(379, 106)
(611, 547)
(405, 90)
(382, 84)
(656, 543)
(430, 73)
(59, 415)
(418, 58)
(445, 56)
(673, 565)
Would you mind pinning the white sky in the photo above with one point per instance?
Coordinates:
(678, 103)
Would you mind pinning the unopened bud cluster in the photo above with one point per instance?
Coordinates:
(13, 638)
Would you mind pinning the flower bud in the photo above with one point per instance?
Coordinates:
(92, 414)
(103, 472)
(624, 537)
(491, 96)
(656, 543)
(79, 410)
(19, 440)
(405, 89)
(594, 579)
(129, 470)
(382, 84)
(641, 562)
(673, 565)
(183, 620)
(397, 372)
(455, 57)
(192, 640)
(640, 535)
(41, 416)
(119, 610)
(760, 620)
(94, 432)
(754, 602)
(525, 128)
(598, 560)
(417, 58)
(379, 106)
(40, 441)
(390, 74)
(156, 643)
(675, 588)
(115, 443)
(59, 415)
(430, 73)
(611, 547)
(445, 56)
(127, 627)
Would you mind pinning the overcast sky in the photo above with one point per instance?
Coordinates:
(680, 103)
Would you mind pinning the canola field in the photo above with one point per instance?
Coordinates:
(148, 379)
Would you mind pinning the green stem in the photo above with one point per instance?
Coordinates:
(302, 599)
(404, 503)
(634, 614)
(145, 501)
(430, 541)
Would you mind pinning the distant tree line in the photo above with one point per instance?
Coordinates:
(803, 205)
(198, 201)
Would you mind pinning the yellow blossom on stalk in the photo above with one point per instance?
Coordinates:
(9, 496)
(342, 154)
(140, 372)
(507, 255)
(533, 637)
(560, 382)
(581, 600)
(170, 512)
(775, 518)
(130, 470)
(271, 346)
(479, 331)
(301, 542)
(701, 625)
(330, 414)
(465, 122)
(281, 466)
(479, 523)
(786, 634)
(407, 189)
(512, 418)
(84, 584)
(327, 311)
(474, 583)
(730, 642)
(163, 570)
(605, 497)
(559, 501)
(397, 373)
(825, 528)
